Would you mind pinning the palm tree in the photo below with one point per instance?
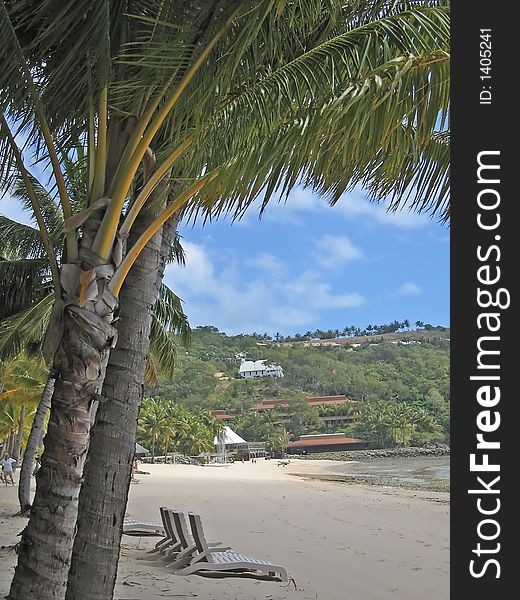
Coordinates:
(279, 440)
(64, 85)
(27, 327)
(153, 424)
(198, 438)
(22, 381)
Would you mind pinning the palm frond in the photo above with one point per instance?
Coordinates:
(19, 240)
(51, 213)
(163, 349)
(361, 108)
(169, 313)
(22, 283)
(26, 329)
(424, 185)
(168, 318)
(177, 254)
(61, 43)
(151, 373)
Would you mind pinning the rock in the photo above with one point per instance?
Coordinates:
(367, 455)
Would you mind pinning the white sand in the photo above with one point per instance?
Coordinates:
(337, 541)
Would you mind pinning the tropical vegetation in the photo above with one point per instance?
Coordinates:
(397, 375)
(222, 101)
(165, 426)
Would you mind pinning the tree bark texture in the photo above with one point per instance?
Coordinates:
(107, 474)
(82, 337)
(33, 443)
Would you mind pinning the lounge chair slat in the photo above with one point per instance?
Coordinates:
(206, 558)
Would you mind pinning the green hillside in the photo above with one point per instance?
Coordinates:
(400, 378)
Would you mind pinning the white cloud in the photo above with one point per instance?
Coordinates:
(334, 251)
(351, 206)
(266, 262)
(293, 210)
(246, 300)
(355, 205)
(410, 289)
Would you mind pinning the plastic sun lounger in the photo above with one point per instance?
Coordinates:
(208, 559)
(133, 527)
(183, 551)
(169, 542)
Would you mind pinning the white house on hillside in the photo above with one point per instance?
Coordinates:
(250, 369)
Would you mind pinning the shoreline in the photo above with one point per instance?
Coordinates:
(417, 473)
(378, 543)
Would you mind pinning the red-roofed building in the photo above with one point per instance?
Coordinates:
(331, 419)
(221, 414)
(328, 442)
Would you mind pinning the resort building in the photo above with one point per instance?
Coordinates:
(334, 414)
(250, 369)
(327, 442)
(230, 442)
(223, 415)
(230, 439)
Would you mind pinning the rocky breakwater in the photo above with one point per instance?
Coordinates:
(368, 455)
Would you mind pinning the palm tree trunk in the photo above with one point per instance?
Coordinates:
(84, 342)
(10, 443)
(33, 443)
(107, 474)
(17, 449)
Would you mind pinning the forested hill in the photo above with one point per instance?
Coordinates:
(410, 367)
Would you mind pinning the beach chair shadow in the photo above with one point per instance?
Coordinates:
(206, 559)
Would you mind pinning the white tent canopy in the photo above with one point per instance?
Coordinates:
(141, 450)
(230, 437)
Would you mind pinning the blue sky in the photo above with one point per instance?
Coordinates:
(306, 265)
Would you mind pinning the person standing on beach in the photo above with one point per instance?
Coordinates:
(7, 467)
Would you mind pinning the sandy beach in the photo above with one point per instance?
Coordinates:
(336, 539)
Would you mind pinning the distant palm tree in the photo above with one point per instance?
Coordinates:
(23, 380)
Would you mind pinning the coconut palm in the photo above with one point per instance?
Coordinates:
(153, 424)
(163, 422)
(27, 327)
(9, 420)
(279, 440)
(23, 380)
(221, 85)
(198, 438)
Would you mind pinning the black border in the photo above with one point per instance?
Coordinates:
(479, 127)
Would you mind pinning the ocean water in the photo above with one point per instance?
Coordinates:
(440, 471)
(422, 472)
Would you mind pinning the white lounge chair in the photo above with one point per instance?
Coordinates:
(170, 541)
(209, 559)
(183, 553)
(133, 527)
